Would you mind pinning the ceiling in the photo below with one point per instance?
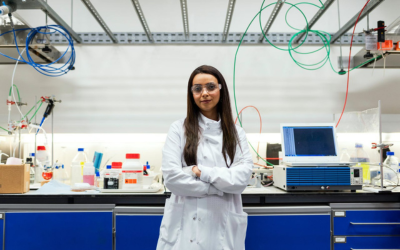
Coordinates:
(204, 15)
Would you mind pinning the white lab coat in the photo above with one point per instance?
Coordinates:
(204, 213)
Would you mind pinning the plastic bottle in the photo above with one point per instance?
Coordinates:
(88, 173)
(77, 166)
(41, 155)
(111, 177)
(42, 160)
(132, 172)
(98, 181)
(362, 159)
(29, 160)
(393, 163)
(145, 170)
(345, 156)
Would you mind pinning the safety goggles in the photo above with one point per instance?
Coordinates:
(209, 87)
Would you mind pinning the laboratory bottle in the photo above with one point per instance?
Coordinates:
(42, 155)
(42, 159)
(132, 172)
(344, 156)
(362, 159)
(145, 170)
(117, 168)
(98, 180)
(29, 161)
(111, 178)
(393, 163)
(88, 173)
(77, 166)
(149, 171)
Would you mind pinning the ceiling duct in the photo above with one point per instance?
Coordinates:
(40, 50)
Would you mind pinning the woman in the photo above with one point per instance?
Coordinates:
(206, 165)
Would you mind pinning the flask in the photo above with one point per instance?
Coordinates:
(345, 156)
(132, 172)
(77, 165)
(362, 159)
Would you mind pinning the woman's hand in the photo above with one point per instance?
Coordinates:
(196, 170)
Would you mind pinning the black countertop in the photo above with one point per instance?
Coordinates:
(252, 197)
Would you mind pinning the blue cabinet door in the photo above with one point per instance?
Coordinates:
(369, 243)
(288, 232)
(378, 222)
(59, 230)
(137, 232)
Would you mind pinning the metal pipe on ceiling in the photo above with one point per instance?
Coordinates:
(142, 19)
(185, 18)
(100, 20)
(370, 7)
(315, 19)
(272, 17)
(228, 19)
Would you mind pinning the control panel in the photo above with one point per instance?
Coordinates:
(356, 175)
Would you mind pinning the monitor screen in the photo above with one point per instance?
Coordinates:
(309, 141)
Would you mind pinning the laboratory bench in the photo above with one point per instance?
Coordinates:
(265, 196)
(277, 220)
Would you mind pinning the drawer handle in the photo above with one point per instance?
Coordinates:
(382, 223)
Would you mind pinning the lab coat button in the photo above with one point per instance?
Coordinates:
(206, 139)
(199, 219)
(205, 157)
(191, 241)
(194, 218)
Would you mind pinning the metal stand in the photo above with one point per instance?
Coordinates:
(381, 146)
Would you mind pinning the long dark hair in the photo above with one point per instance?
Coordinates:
(192, 129)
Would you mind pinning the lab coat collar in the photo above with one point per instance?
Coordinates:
(209, 124)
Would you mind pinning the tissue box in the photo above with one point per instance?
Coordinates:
(14, 179)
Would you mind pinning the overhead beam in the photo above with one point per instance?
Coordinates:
(272, 17)
(42, 5)
(185, 18)
(370, 7)
(315, 19)
(228, 19)
(142, 19)
(100, 20)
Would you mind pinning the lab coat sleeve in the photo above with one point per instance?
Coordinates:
(175, 179)
(234, 179)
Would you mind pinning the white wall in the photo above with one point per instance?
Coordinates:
(141, 89)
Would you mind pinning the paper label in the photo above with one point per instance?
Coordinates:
(131, 177)
(340, 240)
(340, 214)
(1, 216)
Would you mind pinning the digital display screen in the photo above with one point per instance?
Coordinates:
(309, 141)
(356, 173)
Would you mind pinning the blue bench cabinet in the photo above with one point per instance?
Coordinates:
(61, 227)
(137, 227)
(1, 230)
(366, 225)
(288, 228)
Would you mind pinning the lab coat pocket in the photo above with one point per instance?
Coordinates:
(171, 222)
(235, 231)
